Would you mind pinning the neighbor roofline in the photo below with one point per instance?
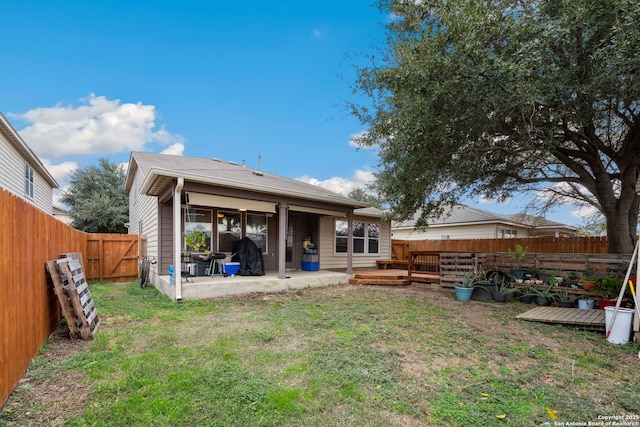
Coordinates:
(455, 224)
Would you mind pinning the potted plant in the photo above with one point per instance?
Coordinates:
(608, 288)
(527, 294)
(564, 299)
(544, 296)
(532, 273)
(464, 288)
(502, 291)
(196, 241)
(545, 275)
(516, 257)
(588, 283)
(553, 280)
(483, 287)
(573, 277)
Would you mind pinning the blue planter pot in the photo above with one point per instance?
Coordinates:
(463, 294)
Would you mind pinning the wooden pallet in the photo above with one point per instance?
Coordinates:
(587, 319)
(72, 289)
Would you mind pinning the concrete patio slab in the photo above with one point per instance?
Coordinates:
(218, 286)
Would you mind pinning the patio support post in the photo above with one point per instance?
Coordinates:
(282, 240)
(177, 239)
(350, 243)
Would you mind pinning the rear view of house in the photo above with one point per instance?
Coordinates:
(172, 196)
(21, 172)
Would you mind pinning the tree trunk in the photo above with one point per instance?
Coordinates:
(621, 232)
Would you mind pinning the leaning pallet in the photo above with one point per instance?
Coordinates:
(75, 299)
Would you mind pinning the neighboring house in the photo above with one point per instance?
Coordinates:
(21, 172)
(464, 222)
(171, 195)
(62, 215)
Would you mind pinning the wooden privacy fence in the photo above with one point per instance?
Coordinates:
(112, 257)
(447, 268)
(29, 308)
(558, 245)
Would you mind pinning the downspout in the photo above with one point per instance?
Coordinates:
(177, 239)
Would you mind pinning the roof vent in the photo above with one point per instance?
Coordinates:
(233, 163)
(256, 173)
(215, 159)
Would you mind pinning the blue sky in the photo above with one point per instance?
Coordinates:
(239, 81)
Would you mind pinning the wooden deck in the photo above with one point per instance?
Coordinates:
(380, 277)
(586, 319)
(391, 277)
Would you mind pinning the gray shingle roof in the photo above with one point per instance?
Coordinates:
(232, 175)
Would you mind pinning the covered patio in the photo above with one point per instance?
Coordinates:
(203, 287)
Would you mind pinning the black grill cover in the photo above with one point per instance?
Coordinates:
(249, 256)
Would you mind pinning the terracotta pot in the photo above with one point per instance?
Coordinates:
(588, 285)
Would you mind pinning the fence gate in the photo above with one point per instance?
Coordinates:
(112, 257)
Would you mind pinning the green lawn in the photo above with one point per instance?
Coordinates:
(339, 356)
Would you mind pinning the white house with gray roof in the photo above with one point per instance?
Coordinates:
(172, 195)
(21, 172)
(464, 222)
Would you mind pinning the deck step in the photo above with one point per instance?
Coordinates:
(379, 281)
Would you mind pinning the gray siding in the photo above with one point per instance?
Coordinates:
(144, 208)
(12, 178)
(329, 259)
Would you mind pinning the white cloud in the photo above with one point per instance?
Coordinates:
(99, 126)
(360, 179)
(317, 34)
(175, 149)
(61, 171)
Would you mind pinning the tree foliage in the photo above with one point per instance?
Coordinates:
(497, 97)
(97, 199)
(363, 196)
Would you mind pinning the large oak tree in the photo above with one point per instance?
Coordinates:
(97, 199)
(497, 97)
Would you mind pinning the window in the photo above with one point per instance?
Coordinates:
(28, 181)
(507, 233)
(197, 230)
(342, 228)
(229, 230)
(373, 238)
(256, 230)
(366, 237)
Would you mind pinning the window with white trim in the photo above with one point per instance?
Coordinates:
(256, 230)
(28, 181)
(229, 230)
(366, 237)
(507, 233)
